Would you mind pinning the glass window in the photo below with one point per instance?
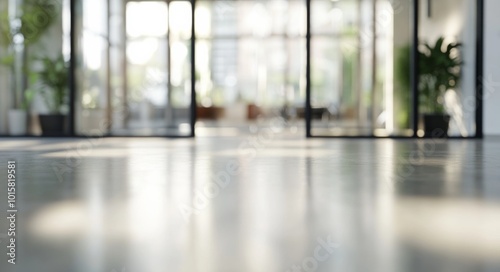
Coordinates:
(356, 47)
(250, 60)
(34, 72)
(448, 67)
(135, 73)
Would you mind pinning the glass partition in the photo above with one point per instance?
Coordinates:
(250, 61)
(134, 77)
(360, 51)
(34, 70)
(133, 66)
(447, 86)
(92, 66)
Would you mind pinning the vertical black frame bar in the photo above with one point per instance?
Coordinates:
(479, 67)
(414, 71)
(373, 72)
(72, 69)
(308, 109)
(170, 108)
(193, 69)
(429, 8)
(109, 104)
(125, 105)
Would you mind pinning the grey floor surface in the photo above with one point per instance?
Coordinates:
(259, 203)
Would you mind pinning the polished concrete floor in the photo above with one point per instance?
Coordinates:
(262, 203)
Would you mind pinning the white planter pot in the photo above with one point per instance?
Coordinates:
(18, 122)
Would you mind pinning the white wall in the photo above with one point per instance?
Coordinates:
(492, 68)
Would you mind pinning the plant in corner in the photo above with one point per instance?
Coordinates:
(439, 68)
(54, 78)
(20, 28)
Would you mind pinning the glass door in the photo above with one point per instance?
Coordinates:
(134, 77)
(448, 68)
(360, 68)
(383, 68)
(250, 65)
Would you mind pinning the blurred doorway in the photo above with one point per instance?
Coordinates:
(250, 65)
(136, 68)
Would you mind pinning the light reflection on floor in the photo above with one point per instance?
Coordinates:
(176, 205)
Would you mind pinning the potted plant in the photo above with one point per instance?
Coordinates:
(54, 78)
(439, 67)
(439, 70)
(17, 34)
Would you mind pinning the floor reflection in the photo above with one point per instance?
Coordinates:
(175, 205)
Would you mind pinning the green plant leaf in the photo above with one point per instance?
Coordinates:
(55, 78)
(439, 71)
(7, 60)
